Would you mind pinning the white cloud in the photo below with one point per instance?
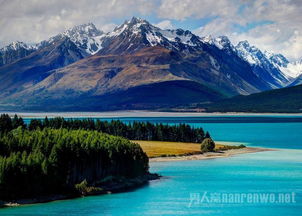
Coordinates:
(35, 20)
(282, 33)
(107, 27)
(165, 24)
(217, 27)
(274, 39)
(182, 9)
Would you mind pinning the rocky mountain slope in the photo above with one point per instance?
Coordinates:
(86, 37)
(14, 52)
(262, 65)
(32, 69)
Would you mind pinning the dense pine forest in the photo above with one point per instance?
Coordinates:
(132, 131)
(56, 155)
(47, 161)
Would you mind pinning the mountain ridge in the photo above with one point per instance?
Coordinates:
(88, 38)
(92, 65)
(33, 68)
(284, 100)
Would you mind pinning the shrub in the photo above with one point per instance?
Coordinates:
(207, 145)
(84, 189)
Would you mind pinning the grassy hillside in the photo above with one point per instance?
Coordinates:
(279, 100)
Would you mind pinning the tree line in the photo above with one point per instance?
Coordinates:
(132, 131)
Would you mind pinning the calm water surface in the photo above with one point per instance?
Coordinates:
(186, 183)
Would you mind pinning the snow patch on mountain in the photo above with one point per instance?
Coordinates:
(133, 26)
(277, 65)
(118, 30)
(16, 46)
(153, 39)
(86, 37)
(141, 31)
(214, 63)
(290, 69)
(277, 60)
(14, 51)
(264, 64)
(250, 53)
(293, 69)
(221, 42)
(179, 35)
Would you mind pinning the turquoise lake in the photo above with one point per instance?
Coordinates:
(195, 187)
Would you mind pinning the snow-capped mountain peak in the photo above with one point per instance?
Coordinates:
(261, 65)
(132, 26)
(207, 39)
(17, 45)
(15, 51)
(289, 69)
(269, 61)
(264, 64)
(250, 53)
(86, 37)
(221, 42)
(182, 36)
(136, 21)
(88, 30)
(138, 32)
(277, 59)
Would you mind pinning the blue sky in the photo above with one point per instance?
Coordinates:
(251, 25)
(273, 25)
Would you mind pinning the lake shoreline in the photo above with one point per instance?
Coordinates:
(136, 113)
(135, 183)
(128, 185)
(210, 155)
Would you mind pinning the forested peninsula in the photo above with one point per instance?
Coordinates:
(52, 157)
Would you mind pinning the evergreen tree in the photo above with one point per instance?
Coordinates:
(35, 124)
(207, 145)
(5, 123)
(17, 122)
(207, 135)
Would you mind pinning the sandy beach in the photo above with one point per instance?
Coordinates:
(211, 155)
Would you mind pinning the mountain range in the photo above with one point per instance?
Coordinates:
(136, 66)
